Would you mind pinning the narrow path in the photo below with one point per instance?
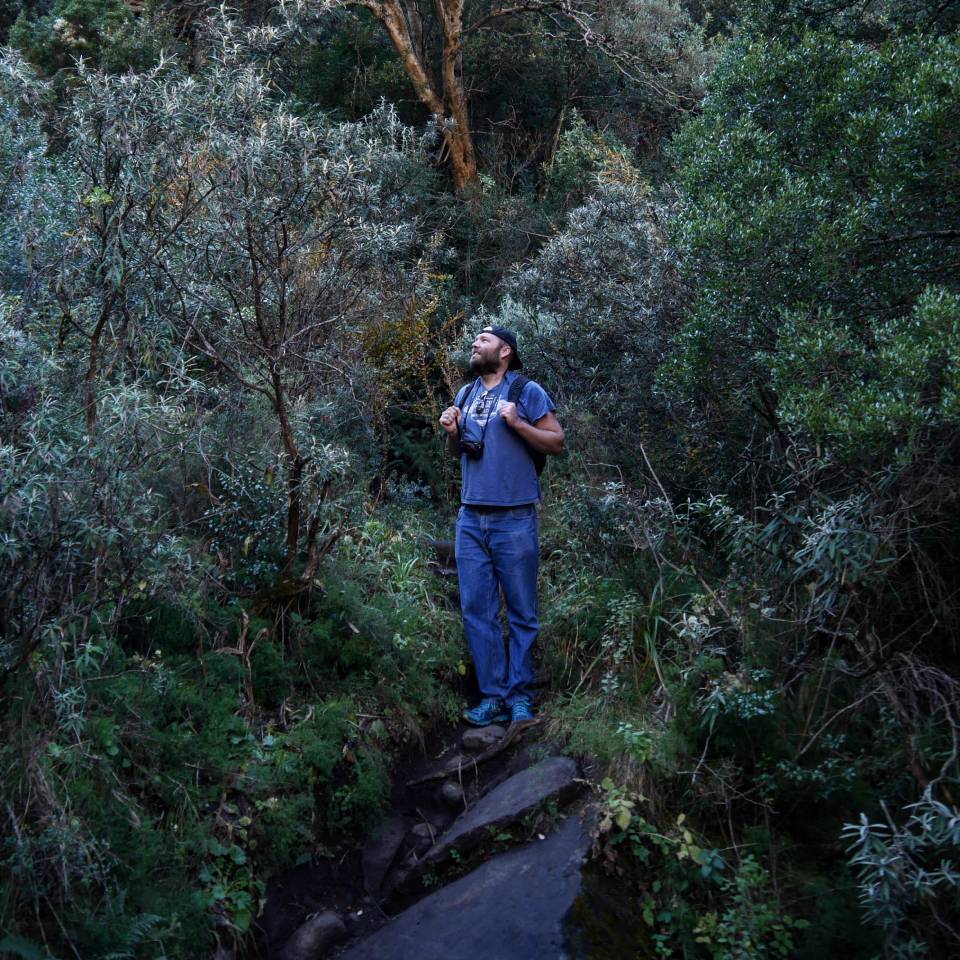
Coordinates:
(481, 851)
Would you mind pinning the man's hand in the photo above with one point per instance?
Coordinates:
(448, 420)
(508, 413)
(546, 435)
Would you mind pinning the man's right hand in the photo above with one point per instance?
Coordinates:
(448, 420)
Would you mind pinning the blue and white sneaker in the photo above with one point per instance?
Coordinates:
(490, 710)
(521, 712)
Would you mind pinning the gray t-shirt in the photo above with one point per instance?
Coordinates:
(505, 476)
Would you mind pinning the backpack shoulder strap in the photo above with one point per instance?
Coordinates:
(516, 387)
(462, 395)
(513, 395)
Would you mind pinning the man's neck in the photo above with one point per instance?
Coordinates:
(490, 380)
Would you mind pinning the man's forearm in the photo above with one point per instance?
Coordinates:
(453, 444)
(543, 441)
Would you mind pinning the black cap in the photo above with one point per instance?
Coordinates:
(510, 339)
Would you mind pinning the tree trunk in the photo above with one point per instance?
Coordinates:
(463, 159)
(93, 362)
(403, 28)
(295, 465)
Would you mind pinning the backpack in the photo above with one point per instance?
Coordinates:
(513, 395)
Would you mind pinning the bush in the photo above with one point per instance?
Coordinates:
(105, 33)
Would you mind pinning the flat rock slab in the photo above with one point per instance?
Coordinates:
(555, 777)
(513, 907)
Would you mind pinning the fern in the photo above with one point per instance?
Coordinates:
(131, 934)
(24, 948)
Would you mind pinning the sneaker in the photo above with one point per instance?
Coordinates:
(521, 712)
(486, 712)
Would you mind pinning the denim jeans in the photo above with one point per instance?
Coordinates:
(498, 551)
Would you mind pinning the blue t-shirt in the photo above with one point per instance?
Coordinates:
(505, 476)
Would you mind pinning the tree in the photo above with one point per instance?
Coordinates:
(820, 215)
(301, 251)
(870, 20)
(208, 219)
(430, 44)
(819, 231)
(599, 305)
(108, 33)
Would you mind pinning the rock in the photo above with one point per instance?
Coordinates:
(450, 794)
(313, 939)
(357, 922)
(481, 738)
(399, 872)
(446, 560)
(460, 766)
(380, 850)
(423, 836)
(513, 907)
(555, 777)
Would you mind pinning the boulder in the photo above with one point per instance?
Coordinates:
(450, 794)
(445, 553)
(513, 907)
(313, 939)
(380, 850)
(477, 739)
(422, 837)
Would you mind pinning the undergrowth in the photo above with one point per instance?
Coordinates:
(165, 770)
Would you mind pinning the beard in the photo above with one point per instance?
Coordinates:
(481, 364)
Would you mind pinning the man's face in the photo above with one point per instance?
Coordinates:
(486, 354)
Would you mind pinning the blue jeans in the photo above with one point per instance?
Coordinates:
(500, 551)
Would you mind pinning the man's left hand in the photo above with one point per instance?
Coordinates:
(508, 411)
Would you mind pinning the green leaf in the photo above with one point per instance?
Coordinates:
(24, 948)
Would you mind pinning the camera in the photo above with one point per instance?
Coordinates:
(472, 448)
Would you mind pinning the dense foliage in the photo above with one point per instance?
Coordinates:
(236, 285)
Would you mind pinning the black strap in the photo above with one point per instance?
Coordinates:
(460, 402)
(516, 387)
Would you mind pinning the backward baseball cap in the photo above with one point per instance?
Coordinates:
(510, 339)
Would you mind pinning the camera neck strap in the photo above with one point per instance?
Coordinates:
(465, 407)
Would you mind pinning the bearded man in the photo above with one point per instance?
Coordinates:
(497, 545)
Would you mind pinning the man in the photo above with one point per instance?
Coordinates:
(497, 540)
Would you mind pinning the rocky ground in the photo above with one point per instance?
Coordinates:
(482, 854)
